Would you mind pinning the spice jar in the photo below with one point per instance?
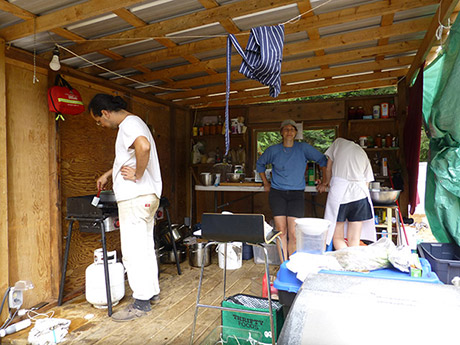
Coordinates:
(206, 129)
(388, 140)
(212, 129)
(360, 112)
(378, 140)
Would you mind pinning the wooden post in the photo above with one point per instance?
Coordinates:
(55, 199)
(4, 254)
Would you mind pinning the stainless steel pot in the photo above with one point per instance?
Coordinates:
(195, 254)
(167, 256)
(178, 233)
(207, 179)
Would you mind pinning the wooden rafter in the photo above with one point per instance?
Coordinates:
(188, 21)
(302, 64)
(61, 18)
(303, 87)
(359, 36)
(394, 63)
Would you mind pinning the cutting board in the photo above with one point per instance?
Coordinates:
(254, 184)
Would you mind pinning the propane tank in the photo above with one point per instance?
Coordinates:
(95, 280)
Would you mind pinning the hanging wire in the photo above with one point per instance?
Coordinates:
(297, 18)
(35, 79)
(118, 74)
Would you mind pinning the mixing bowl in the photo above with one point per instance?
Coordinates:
(385, 197)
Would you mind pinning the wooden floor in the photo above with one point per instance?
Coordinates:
(170, 321)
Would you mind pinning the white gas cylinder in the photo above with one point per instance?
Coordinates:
(95, 280)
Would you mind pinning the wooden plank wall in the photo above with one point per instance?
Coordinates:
(43, 162)
(3, 180)
(29, 233)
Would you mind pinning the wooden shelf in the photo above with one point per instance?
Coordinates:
(354, 121)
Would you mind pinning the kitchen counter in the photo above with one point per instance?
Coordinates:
(228, 193)
(241, 187)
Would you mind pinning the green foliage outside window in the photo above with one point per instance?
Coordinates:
(320, 139)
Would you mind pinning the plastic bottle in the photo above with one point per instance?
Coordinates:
(18, 326)
(311, 174)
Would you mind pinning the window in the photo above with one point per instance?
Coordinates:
(320, 138)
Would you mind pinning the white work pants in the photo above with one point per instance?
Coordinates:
(137, 244)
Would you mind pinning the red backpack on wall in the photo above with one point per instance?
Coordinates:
(63, 99)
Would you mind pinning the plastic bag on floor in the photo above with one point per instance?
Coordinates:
(365, 258)
(49, 331)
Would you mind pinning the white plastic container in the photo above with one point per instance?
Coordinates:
(234, 255)
(95, 280)
(311, 235)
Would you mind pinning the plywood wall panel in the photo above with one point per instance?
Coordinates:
(28, 183)
(4, 282)
(313, 111)
(87, 151)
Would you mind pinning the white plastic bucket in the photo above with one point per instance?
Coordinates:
(234, 255)
(311, 235)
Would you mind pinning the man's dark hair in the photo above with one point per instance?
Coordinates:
(103, 101)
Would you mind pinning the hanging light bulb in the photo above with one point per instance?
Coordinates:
(54, 64)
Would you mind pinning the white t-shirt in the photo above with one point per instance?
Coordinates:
(129, 130)
(351, 163)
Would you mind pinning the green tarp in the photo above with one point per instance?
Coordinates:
(441, 114)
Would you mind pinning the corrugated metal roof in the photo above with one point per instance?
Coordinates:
(181, 44)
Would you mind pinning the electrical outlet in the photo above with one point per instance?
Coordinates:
(15, 299)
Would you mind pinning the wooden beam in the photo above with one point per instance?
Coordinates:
(394, 63)
(26, 57)
(315, 92)
(302, 64)
(60, 18)
(444, 11)
(310, 85)
(68, 35)
(137, 22)
(351, 14)
(129, 17)
(15, 10)
(340, 40)
(4, 250)
(54, 198)
(177, 24)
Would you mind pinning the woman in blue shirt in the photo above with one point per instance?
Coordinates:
(287, 187)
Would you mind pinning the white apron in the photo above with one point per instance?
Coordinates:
(337, 188)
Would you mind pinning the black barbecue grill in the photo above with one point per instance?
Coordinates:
(95, 219)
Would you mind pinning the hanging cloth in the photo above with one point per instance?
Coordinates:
(261, 61)
(412, 137)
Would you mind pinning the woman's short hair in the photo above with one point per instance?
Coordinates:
(103, 101)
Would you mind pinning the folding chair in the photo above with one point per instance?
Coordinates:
(223, 228)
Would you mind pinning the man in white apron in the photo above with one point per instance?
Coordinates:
(349, 206)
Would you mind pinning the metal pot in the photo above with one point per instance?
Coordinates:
(195, 254)
(206, 179)
(167, 256)
(178, 233)
(235, 177)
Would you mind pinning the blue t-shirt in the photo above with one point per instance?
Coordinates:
(289, 164)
